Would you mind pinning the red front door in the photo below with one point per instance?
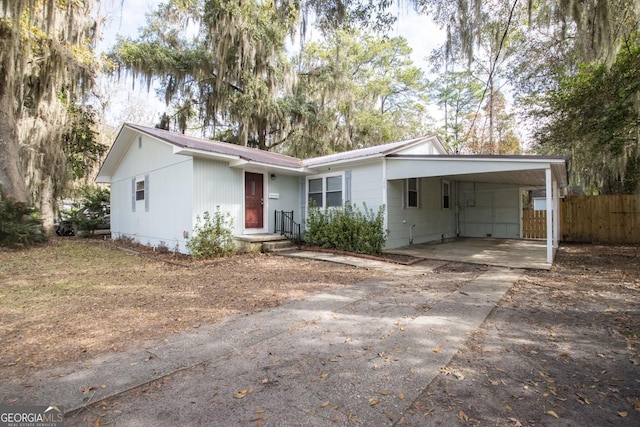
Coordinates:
(253, 200)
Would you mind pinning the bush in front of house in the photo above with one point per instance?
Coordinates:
(91, 212)
(212, 236)
(346, 228)
(20, 225)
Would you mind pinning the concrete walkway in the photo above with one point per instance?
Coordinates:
(359, 354)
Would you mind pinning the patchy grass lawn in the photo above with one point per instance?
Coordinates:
(73, 299)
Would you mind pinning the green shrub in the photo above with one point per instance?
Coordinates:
(19, 224)
(346, 228)
(91, 212)
(213, 237)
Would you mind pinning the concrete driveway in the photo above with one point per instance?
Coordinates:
(360, 354)
(510, 253)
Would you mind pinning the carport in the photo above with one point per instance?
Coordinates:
(521, 172)
(510, 253)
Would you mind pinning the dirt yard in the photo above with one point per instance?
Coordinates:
(73, 299)
(561, 348)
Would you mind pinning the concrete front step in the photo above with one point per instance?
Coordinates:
(278, 246)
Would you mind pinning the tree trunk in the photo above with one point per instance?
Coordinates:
(11, 176)
(46, 205)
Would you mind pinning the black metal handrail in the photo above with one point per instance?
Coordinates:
(287, 227)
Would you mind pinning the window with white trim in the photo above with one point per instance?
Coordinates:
(412, 195)
(139, 190)
(326, 191)
(446, 194)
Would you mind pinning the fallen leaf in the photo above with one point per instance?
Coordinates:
(436, 350)
(623, 414)
(96, 423)
(553, 414)
(87, 389)
(463, 416)
(351, 418)
(324, 404)
(427, 412)
(324, 375)
(583, 399)
(259, 411)
(636, 404)
(383, 392)
(547, 377)
(516, 422)
(373, 401)
(389, 416)
(401, 395)
(241, 394)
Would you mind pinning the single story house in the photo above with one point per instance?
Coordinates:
(162, 181)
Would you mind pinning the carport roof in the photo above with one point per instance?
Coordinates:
(521, 170)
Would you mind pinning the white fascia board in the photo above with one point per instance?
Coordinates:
(347, 161)
(238, 162)
(202, 153)
(117, 152)
(399, 168)
(248, 163)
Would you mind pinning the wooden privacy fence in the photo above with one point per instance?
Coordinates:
(602, 219)
(534, 224)
(597, 219)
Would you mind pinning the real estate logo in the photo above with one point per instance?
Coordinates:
(31, 416)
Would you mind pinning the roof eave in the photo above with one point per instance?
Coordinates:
(237, 161)
(345, 161)
(110, 163)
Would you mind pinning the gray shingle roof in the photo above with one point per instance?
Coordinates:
(376, 150)
(245, 153)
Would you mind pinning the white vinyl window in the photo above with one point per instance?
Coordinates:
(326, 191)
(412, 195)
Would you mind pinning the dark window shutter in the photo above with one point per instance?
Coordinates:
(303, 199)
(133, 194)
(347, 186)
(146, 193)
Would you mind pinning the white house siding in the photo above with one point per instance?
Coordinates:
(282, 195)
(366, 185)
(216, 184)
(489, 210)
(163, 217)
(362, 184)
(432, 222)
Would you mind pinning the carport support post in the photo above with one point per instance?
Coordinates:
(556, 214)
(549, 200)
